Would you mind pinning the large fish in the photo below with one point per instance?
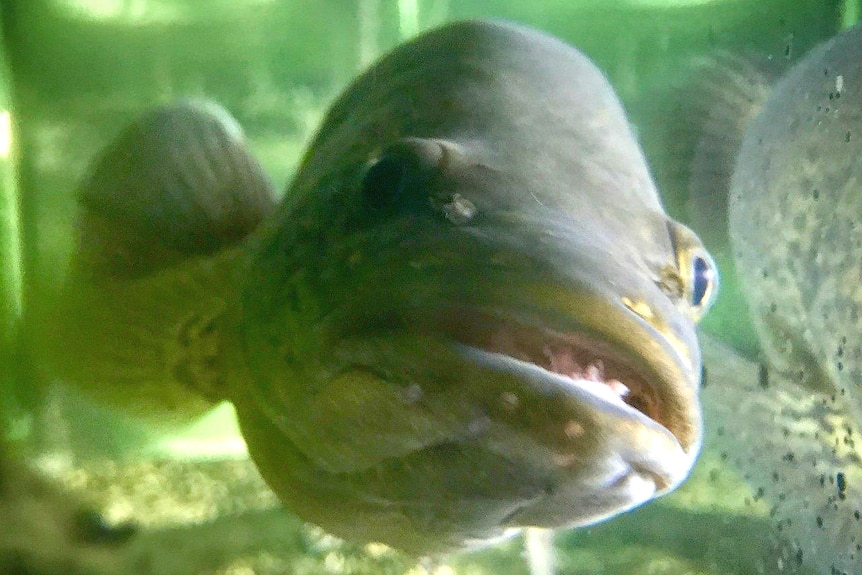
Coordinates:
(469, 314)
(792, 424)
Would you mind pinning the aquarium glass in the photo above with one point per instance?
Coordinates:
(73, 73)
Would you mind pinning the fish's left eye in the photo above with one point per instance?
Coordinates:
(398, 180)
(703, 282)
(697, 270)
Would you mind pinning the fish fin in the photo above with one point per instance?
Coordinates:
(176, 183)
(734, 89)
(143, 323)
(724, 92)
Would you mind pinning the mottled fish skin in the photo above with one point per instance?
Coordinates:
(479, 180)
(795, 200)
(797, 450)
(473, 224)
(795, 205)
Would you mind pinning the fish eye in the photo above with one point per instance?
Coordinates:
(703, 282)
(697, 270)
(400, 177)
(383, 181)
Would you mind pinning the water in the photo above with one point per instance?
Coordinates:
(75, 71)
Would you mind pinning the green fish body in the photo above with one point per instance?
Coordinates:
(161, 222)
(468, 315)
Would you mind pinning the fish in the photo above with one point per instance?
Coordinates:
(467, 315)
(158, 238)
(789, 419)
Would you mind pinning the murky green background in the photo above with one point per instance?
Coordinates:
(73, 72)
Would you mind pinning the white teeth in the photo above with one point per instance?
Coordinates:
(618, 387)
(595, 371)
(601, 389)
(561, 360)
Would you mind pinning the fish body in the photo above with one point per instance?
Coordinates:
(469, 314)
(463, 226)
(795, 201)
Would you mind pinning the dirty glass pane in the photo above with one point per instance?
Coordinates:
(74, 73)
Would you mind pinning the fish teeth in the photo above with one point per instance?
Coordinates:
(562, 362)
(595, 371)
(618, 387)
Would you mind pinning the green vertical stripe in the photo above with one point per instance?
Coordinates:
(11, 276)
(408, 18)
(10, 244)
(849, 13)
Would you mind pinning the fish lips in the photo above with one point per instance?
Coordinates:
(608, 409)
(602, 456)
(586, 454)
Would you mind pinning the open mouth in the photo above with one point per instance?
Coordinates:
(591, 365)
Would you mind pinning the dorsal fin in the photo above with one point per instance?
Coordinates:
(728, 93)
(177, 182)
(704, 115)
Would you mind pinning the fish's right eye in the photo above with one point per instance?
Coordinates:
(384, 181)
(401, 178)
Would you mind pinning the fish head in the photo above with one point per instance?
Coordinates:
(561, 356)
(459, 335)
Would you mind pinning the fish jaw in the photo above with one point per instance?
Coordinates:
(436, 430)
(607, 457)
(614, 426)
(386, 398)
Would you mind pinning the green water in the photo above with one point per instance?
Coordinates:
(73, 72)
